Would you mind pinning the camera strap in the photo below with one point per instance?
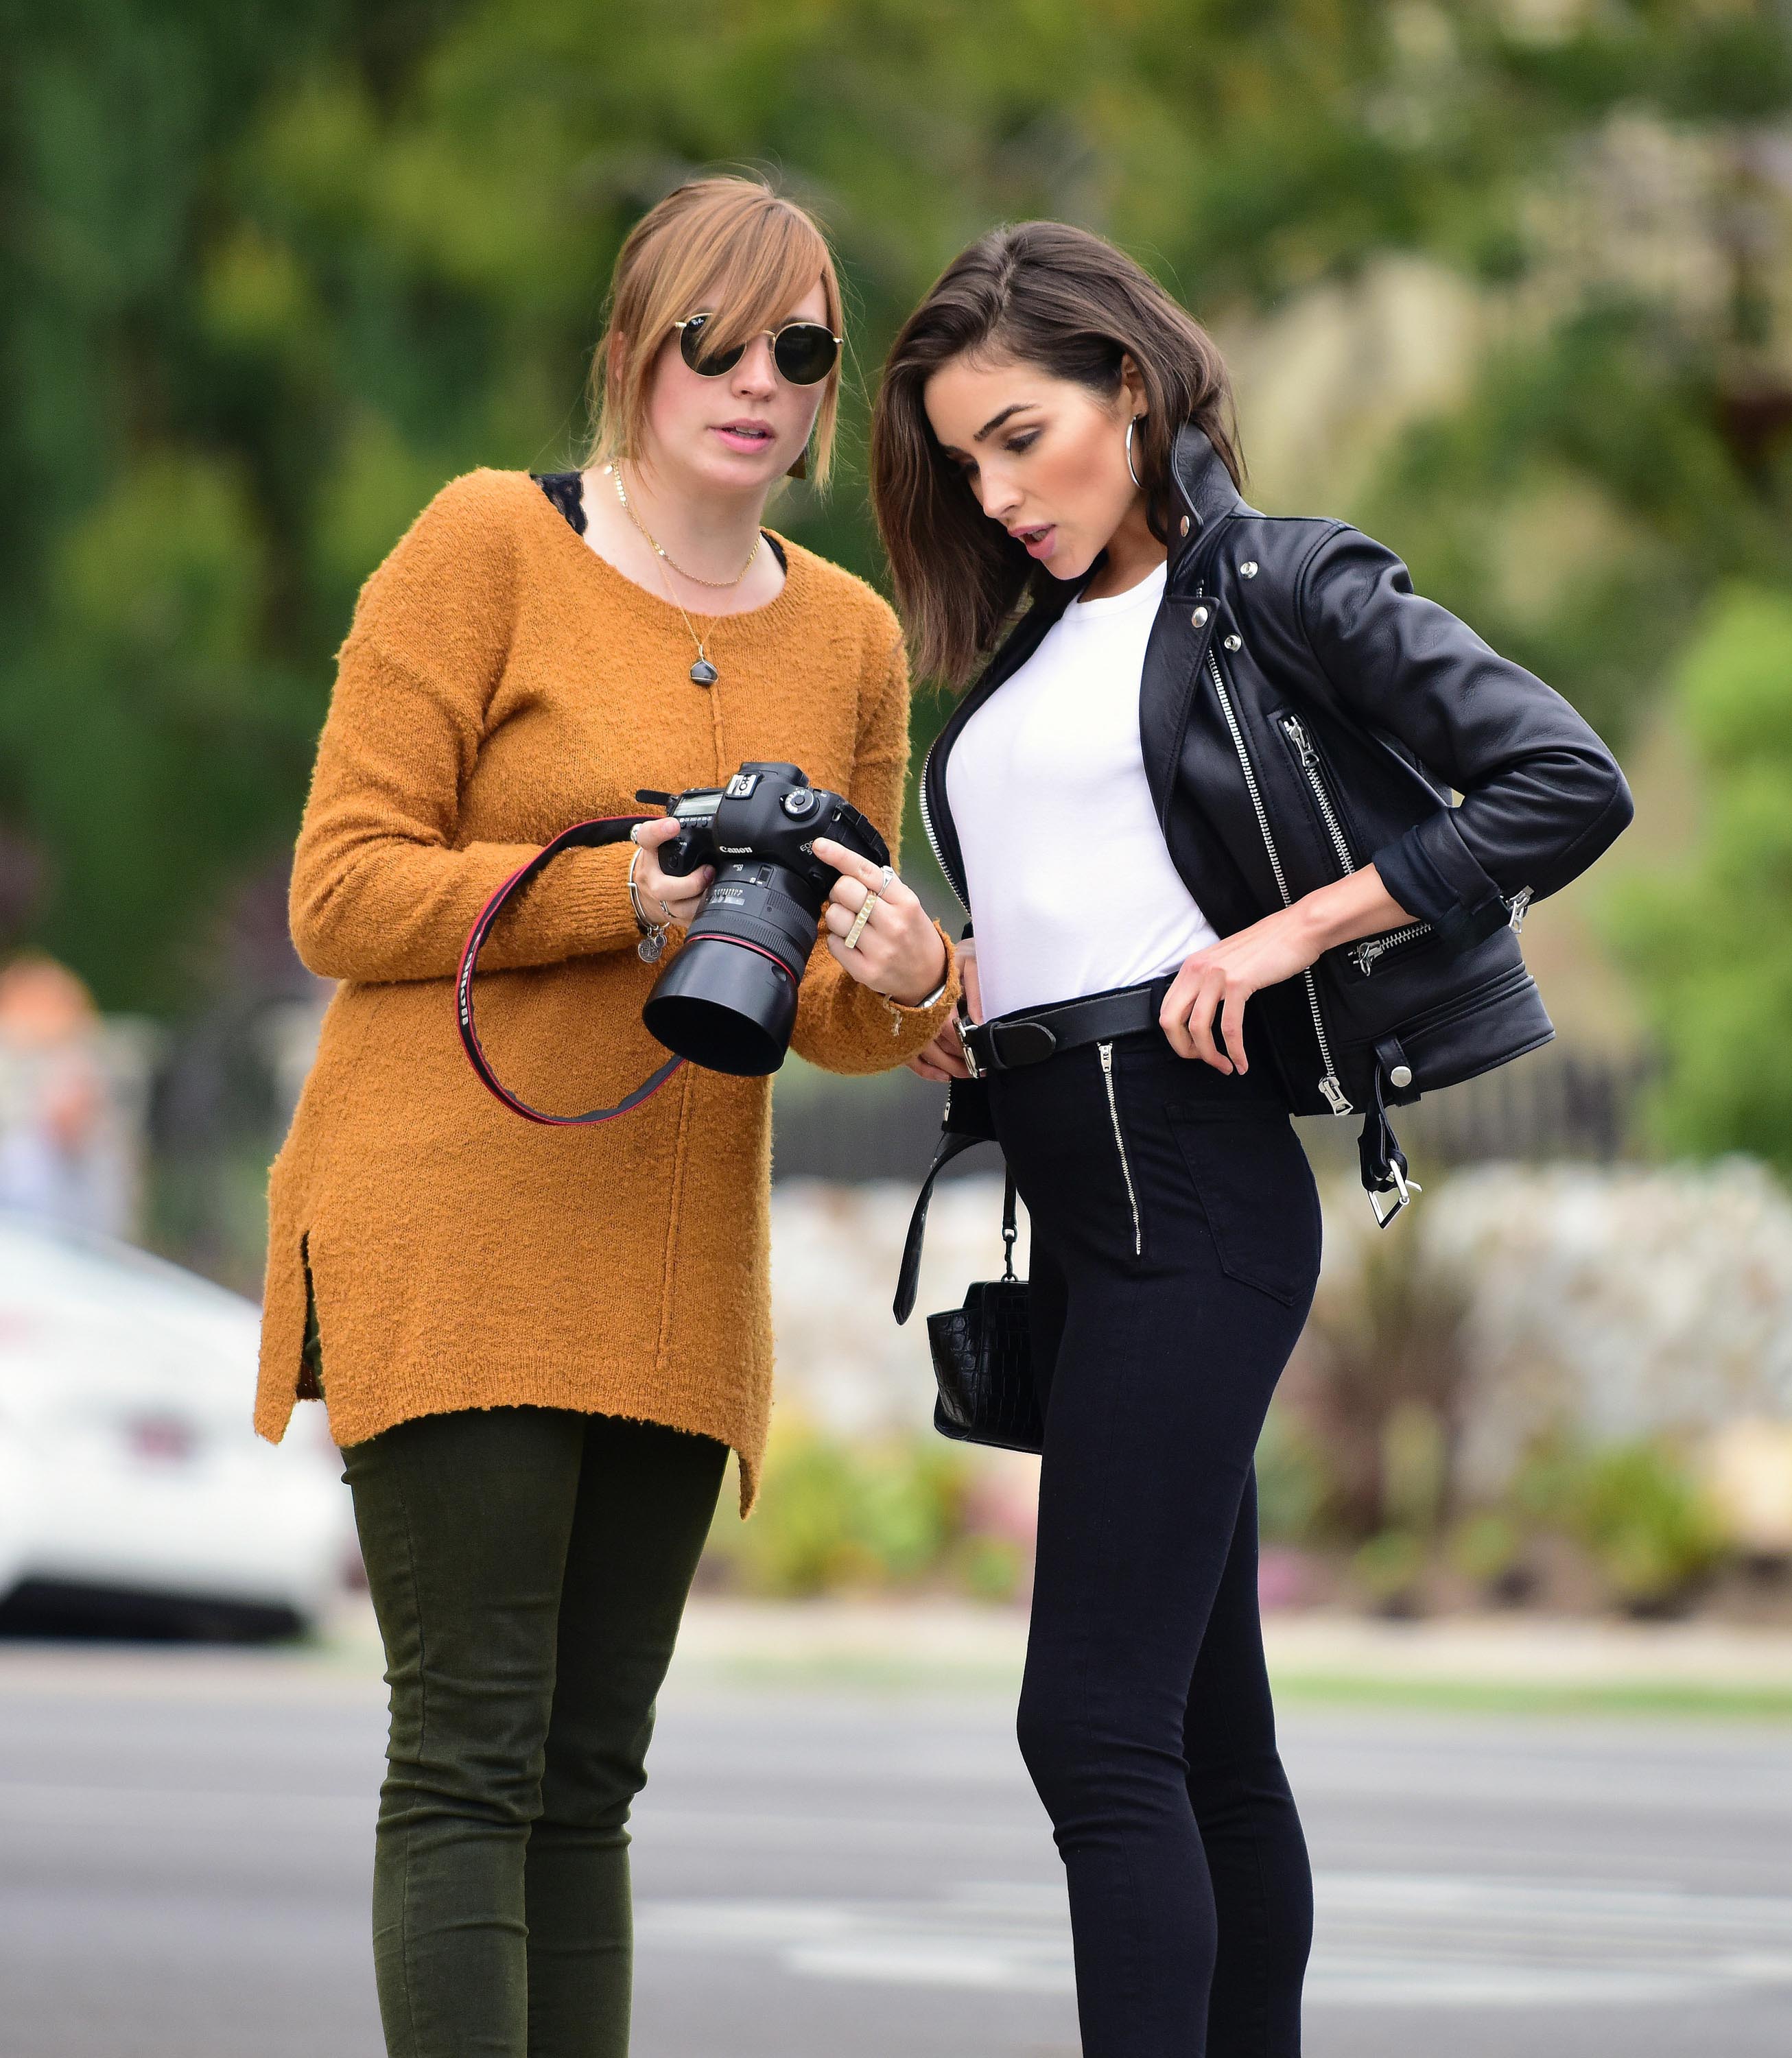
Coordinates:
(582, 836)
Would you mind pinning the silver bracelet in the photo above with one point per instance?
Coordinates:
(897, 1007)
(933, 997)
(653, 933)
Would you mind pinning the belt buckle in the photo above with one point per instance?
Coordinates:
(971, 1064)
(1406, 1188)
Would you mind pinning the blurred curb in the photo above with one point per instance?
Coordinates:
(1504, 1663)
(1495, 1660)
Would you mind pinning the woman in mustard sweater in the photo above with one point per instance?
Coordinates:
(537, 1346)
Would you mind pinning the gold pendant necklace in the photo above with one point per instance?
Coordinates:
(703, 672)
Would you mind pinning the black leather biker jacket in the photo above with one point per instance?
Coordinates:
(1302, 712)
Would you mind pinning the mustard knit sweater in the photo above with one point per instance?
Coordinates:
(500, 681)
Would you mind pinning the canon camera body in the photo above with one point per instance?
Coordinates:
(728, 1000)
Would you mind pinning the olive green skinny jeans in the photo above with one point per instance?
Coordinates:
(529, 1566)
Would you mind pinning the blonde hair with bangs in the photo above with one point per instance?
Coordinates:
(728, 246)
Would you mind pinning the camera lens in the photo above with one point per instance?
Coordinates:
(728, 999)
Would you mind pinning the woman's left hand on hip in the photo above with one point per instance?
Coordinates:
(1213, 986)
(899, 951)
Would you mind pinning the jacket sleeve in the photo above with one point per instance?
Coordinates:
(840, 1025)
(383, 887)
(1542, 796)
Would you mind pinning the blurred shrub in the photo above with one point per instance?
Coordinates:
(1638, 1511)
(1709, 941)
(1390, 1569)
(1293, 1488)
(893, 1517)
(1385, 1375)
(1486, 1549)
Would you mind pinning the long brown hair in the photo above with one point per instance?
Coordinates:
(1046, 294)
(732, 245)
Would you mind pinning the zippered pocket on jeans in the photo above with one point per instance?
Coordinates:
(1105, 1051)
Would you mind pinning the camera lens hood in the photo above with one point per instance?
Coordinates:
(725, 1003)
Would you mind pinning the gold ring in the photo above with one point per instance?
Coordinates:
(860, 920)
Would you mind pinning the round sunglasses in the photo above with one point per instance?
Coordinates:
(803, 351)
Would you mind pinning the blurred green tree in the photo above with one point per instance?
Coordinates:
(1709, 941)
(271, 276)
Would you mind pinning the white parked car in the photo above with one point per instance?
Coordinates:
(133, 1494)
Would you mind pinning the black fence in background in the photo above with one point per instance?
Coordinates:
(1557, 1103)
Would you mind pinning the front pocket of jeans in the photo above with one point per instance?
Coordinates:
(1251, 1179)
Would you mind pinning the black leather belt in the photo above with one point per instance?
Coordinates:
(1032, 1034)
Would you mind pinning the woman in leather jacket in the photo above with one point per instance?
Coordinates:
(1202, 799)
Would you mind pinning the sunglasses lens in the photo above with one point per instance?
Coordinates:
(707, 364)
(805, 352)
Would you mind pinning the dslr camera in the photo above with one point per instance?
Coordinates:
(728, 1000)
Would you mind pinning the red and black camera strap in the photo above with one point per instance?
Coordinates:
(581, 836)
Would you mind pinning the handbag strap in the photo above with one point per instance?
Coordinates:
(1009, 1232)
(584, 835)
(952, 1144)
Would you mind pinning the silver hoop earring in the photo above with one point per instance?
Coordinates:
(1136, 480)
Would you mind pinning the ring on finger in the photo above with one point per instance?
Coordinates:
(850, 941)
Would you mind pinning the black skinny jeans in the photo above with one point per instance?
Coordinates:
(1162, 1320)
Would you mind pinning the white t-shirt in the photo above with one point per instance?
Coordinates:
(1069, 879)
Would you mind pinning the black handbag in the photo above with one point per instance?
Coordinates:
(983, 1355)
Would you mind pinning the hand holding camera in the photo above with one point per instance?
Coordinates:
(676, 899)
(750, 869)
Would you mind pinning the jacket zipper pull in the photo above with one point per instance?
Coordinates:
(1336, 1097)
(1519, 903)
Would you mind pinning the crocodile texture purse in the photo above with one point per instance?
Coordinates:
(983, 1358)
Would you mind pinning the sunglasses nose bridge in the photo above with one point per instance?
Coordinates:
(757, 361)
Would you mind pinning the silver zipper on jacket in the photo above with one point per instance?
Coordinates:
(1106, 1051)
(1329, 1087)
(933, 840)
(1295, 731)
(1362, 955)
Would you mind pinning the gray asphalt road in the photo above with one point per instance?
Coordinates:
(184, 1845)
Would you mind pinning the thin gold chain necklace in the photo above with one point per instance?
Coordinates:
(703, 672)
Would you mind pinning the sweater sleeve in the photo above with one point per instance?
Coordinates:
(841, 1025)
(383, 887)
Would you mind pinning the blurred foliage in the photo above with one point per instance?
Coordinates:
(271, 275)
(885, 1517)
(1639, 1511)
(1293, 1484)
(1388, 1337)
(1709, 941)
(1629, 1524)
